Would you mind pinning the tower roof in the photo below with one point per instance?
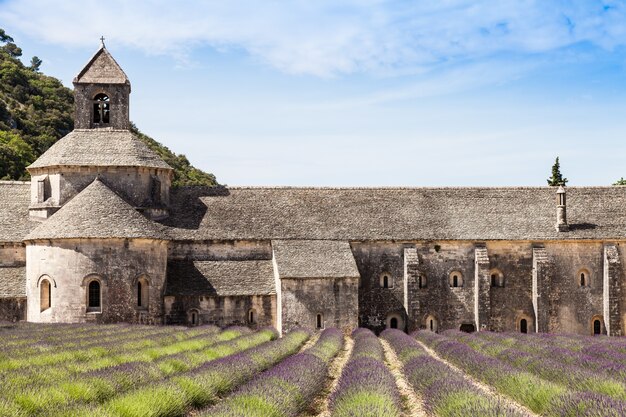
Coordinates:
(102, 69)
(100, 147)
(97, 212)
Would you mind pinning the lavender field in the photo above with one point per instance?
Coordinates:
(129, 370)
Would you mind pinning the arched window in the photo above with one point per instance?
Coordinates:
(101, 109)
(386, 281)
(93, 296)
(583, 278)
(143, 293)
(497, 278)
(251, 316)
(523, 326)
(431, 324)
(393, 323)
(319, 322)
(456, 279)
(45, 295)
(422, 281)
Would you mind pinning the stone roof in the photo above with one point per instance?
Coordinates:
(100, 147)
(99, 213)
(14, 220)
(12, 281)
(314, 259)
(514, 213)
(102, 69)
(220, 278)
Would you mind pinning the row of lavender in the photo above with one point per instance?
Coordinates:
(288, 388)
(444, 391)
(36, 374)
(105, 391)
(541, 383)
(366, 387)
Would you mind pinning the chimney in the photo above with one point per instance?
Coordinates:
(561, 210)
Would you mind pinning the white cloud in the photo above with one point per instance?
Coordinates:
(328, 37)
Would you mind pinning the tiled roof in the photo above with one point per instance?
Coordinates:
(14, 201)
(102, 69)
(516, 213)
(220, 278)
(96, 212)
(100, 147)
(12, 281)
(314, 259)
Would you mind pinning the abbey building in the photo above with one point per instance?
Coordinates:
(99, 235)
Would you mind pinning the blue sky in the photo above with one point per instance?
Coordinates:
(359, 93)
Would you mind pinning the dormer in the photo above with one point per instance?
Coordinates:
(101, 94)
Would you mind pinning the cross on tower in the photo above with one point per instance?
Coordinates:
(102, 40)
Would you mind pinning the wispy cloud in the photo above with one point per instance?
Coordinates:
(329, 37)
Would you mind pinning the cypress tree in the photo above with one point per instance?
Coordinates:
(556, 179)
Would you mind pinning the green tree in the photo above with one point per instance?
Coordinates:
(4, 38)
(35, 63)
(621, 181)
(15, 156)
(12, 49)
(556, 179)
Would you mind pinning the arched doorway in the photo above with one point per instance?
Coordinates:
(467, 328)
(523, 326)
(597, 327)
(394, 321)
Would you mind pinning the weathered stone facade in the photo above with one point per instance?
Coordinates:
(99, 235)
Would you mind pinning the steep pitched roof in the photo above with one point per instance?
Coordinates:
(516, 213)
(102, 69)
(14, 218)
(96, 212)
(314, 259)
(100, 147)
(220, 278)
(12, 281)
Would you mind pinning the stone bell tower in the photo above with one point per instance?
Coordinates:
(101, 94)
(100, 146)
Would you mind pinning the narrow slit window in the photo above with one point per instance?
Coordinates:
(45, 295)
(319, 322)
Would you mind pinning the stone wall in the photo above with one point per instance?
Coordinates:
(513, 301)
(132, 183)
(220, 250)
(221, 311)
(70, 264)
(336, 299)
(563, 305)
(12, 254)
(13, 309)
(572, 306)
(377, 305)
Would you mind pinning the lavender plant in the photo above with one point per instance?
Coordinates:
(366, 387)
(286, 389)
(446, 393)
